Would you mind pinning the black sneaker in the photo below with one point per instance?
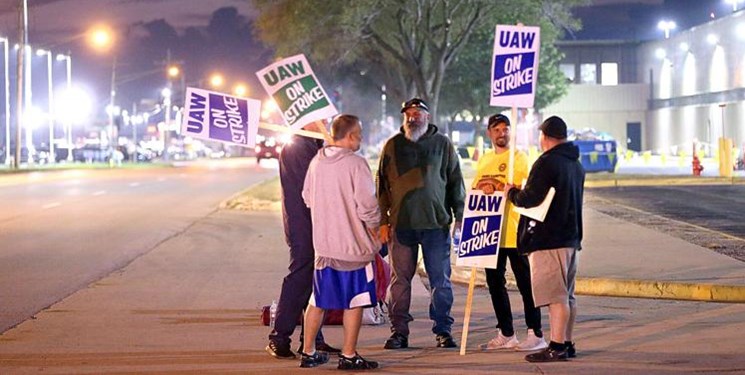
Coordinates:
(356, 363)
(280, 351)
(444, 340)
(547, 355)
(571, 351)
(317, 359)
(397, 341)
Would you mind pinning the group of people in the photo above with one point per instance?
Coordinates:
(336, 218)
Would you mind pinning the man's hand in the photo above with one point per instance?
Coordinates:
(487, 185)
(507, 188)
(385, 233)
(456, 227)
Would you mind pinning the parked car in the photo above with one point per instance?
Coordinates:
(267, 148)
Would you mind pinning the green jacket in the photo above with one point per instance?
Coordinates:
(420, 185)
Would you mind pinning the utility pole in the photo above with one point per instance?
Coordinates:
(111, 112)
(23, 36)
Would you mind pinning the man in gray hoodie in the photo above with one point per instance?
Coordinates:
(340, 192)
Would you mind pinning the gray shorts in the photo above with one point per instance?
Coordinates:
(552, 275)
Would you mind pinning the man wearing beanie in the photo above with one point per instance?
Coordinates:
(552, 245)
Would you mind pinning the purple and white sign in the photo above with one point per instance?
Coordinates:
(481, 231)
(515, 66)
(219, 117)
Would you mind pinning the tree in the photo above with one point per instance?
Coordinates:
(411, 46)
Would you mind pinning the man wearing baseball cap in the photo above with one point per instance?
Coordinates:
(552, 245)
(491, 176)
(421, 193)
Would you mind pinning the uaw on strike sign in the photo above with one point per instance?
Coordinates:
(482, 223)
(299, 96)
(219, 117)
(515, 66)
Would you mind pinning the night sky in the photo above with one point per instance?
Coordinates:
(216, 35)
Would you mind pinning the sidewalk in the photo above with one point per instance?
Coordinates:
(192, 306)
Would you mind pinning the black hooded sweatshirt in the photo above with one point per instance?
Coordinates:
(560, 168)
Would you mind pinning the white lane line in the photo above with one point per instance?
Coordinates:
(100, 192)
(51, 205)
(134, 184)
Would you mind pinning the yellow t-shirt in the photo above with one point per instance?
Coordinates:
(493, 165)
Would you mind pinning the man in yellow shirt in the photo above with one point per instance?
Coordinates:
(491, 176)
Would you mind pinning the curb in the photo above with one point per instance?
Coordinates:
(631, 288)
(664, 181)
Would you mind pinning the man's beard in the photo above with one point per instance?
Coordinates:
(501, 142)
(413, 132)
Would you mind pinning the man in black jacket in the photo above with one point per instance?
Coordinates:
(298, 284)
(552, 245)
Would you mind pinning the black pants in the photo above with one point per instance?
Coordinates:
(501, 300)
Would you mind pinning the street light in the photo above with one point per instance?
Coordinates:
(240, 90)
(68, 62)
(166, 93)
(50, 102)
(7, 100)
(217, 80)
(734, 4)
(102, 39)
(666, 26)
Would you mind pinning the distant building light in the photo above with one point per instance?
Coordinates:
(660, 53)
(740, 31)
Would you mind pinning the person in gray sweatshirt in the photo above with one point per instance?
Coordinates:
(340, 192)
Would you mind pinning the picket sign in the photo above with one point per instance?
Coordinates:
(513, 84)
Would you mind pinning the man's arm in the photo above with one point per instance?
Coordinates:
(384, 199)
(534, 191)
(455, 191)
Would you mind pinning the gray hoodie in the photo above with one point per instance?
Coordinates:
(340, 192)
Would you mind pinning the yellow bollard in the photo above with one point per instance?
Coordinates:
(725, 157)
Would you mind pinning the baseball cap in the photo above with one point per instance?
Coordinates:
(414, 103)
(496, 119)
(554, 127)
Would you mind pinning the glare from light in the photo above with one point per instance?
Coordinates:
(73, 106)
(174, 71)
(240, 90)
(740, 31)
(712, 39)
(734, 4)
(666, 26)
(33, 117)
(684, 47)
(41, 52)
(101, 37)
(113, 111)
(166, 93)
(718, 71)
(61, 57)
(660, 53)
(666, 79)
(217, 80)
(690, 72)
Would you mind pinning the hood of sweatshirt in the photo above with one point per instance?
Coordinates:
(567, 149)
(332, 154)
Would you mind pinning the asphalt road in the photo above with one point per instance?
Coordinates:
(711, 216)
(62, 231)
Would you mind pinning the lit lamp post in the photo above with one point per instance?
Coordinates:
(68, 124)
(101, 38)
(167, 122)
(666, 26)
(6, 84)
(50, 102)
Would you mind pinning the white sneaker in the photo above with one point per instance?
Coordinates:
(532, 343)
(500, 342)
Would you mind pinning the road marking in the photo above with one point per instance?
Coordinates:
(134, 184)
(731, 237)
(100, 192)
(51, 205)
